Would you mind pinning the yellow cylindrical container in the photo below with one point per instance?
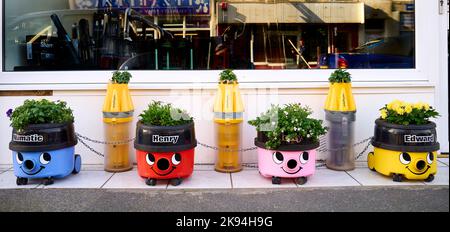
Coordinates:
(117, 117)
(340, 115)
(228, 117)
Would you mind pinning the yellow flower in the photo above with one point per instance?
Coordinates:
(400, 111)
(383, 113)
(426, 106)
(408, 108)
(394, 105)
(418, 105)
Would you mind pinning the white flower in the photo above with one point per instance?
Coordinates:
(286, 113)
(308, 135)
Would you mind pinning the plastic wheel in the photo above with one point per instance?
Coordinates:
(429, 178)
(370, 161)
(21, 181)
(49, 181)
(397, 178)
(176, 182)
(77, 166)
(151, 182)
(301, 180)
(276, 180)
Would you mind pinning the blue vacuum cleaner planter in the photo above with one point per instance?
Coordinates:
(44, 151)
(47, 164)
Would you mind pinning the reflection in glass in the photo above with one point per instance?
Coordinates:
(207, 34)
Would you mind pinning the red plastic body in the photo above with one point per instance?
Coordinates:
(182, 170)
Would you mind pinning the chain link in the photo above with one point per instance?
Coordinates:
(90, 148)
(81, 138)
(226, 149)
(322, 148)
(323, 145)
(103, 142)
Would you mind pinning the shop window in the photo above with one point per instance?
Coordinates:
(57, 35)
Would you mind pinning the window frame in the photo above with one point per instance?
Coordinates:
(424, 74)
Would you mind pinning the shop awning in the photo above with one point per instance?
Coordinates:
(293, 12)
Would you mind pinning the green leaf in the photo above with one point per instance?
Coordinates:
(159, 114)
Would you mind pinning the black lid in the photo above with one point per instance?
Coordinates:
(306, 145)
(408, 138)
(43, 137)
(165, 138)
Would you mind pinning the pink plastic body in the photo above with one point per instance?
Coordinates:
(292, 165)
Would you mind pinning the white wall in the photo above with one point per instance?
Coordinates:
(87, 107)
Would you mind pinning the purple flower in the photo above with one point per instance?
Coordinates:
(9, 113)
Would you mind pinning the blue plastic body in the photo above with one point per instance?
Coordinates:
(33, 165)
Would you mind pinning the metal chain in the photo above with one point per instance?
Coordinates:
(365, 148)
(81, 137)
(90, 148)
(226, 149)
(103, 142)
(323, 145)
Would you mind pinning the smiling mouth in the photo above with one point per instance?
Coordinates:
(173, 168)
(292, 173)
(418, 173)
(32, 174)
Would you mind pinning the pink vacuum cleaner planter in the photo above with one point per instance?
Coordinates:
(286, 164)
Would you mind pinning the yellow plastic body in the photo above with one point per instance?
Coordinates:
(118, 110)
(340, 98)
(387, 162)
(118, 99)
(118, 158)
(228, 109)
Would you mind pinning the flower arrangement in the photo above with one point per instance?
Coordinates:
(121, 77)
(159, 114)
(340, 76)
(290, 124)
(39, 112)
(405, 113)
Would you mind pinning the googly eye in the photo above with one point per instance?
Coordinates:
(176, 159)
(430, 157)
(19, 158)
(150, 158)
(45, 158)
(304, 157)
(405, 158)
(277, 157)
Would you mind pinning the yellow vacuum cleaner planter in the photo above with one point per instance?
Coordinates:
(228, 117)
(412, 165)
(117, 117)
(340, 98)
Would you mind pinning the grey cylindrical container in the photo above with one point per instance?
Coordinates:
(340, 139)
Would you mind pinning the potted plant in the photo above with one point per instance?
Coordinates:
(340, 115)
(287, 139)
(118, 112)
(165, 144)
(405, 142)
(228, 117)
(43, 141)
